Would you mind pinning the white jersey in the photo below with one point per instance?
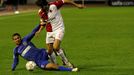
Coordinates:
(55, 18)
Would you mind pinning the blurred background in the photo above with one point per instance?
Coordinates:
(16, 6)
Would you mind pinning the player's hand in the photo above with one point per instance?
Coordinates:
(13, 69)
(80, 6)
(43, 22)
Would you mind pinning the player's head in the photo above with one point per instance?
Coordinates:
(41, 3)
(16, 38)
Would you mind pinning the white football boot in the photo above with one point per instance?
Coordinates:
(75, 69)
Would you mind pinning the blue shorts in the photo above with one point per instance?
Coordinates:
(42, 59)
(42, 64)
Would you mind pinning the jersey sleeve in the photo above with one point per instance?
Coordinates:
(41, 13)
(58, 3)
(15, 59)
(31, 35)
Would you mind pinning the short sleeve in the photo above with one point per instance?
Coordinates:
(58, 3)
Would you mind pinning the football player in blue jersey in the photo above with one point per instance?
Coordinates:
(26, 49)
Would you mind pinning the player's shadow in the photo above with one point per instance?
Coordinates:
(20, 69)
(104, 68)
(90, 68)
(41, 71)
(94, 67)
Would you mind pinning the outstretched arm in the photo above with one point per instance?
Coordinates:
(42, 26)
(40, 29)
(31, 35)
(16, 60)
(59, 3)
(73, 3)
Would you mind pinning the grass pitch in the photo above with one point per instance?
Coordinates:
(98, 40)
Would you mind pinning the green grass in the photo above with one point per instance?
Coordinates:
(99, 40)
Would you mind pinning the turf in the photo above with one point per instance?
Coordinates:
(98, 40)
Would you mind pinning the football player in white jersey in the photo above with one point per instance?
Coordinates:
(51, 19)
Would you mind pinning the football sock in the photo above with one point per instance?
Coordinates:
(62, 68)
(62, 55)
(53, 58)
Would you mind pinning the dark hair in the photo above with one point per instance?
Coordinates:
(16, 34)
(41, 3)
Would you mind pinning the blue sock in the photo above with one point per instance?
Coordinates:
(62, 68)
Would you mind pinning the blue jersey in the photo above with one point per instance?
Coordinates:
(28, 50)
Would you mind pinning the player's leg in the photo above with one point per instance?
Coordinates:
(51, 53)
(51, 66)
(56, 46)
(49, 44)
(42, 62)
(61, 53)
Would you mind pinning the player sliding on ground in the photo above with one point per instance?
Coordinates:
(26, 49)
(50, 17)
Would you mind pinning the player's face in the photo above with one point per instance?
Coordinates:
(17, 39)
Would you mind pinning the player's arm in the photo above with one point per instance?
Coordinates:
(15, 60)
(59, 3)
(31, 35)
(42, 26)
(43, 22)
(73, 3)
(40, 29)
